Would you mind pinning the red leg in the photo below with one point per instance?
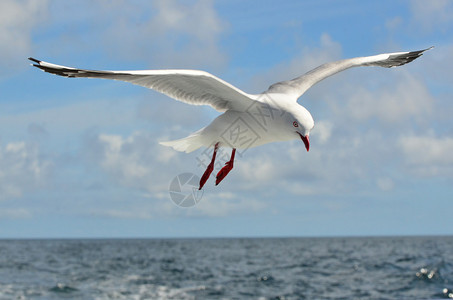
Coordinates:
(226, 169)
(209, 169)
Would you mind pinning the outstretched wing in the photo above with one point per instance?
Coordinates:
(189, 86)
(298, 86)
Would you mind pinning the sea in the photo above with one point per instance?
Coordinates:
(228, 268)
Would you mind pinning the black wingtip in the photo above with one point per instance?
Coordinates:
(417, 54)
(424, 50)
(420, 52)
(34, 60)
(37, 62)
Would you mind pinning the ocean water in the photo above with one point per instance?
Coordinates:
(270, 268)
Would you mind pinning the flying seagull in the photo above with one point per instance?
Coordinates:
(248, 120)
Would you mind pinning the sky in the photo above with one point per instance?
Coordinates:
(80, 158)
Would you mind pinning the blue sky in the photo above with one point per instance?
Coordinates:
(80, 157)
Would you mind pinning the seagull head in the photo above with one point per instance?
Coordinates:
(302, 123)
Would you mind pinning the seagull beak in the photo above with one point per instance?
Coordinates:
(306, 141)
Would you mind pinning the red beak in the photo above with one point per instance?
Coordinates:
(306, 141)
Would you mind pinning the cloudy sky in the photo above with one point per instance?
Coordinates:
(80, 157)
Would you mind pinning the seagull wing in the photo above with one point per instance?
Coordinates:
(189, 86)
(298, 86)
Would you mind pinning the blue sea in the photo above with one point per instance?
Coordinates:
(236, 268)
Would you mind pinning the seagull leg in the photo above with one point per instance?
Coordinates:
(209, 169)
(226, 169)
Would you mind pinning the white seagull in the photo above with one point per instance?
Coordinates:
(248, 120)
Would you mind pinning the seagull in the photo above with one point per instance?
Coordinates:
(247, 120)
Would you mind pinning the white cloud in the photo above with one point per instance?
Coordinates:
(178, 115)
(176, 34)
(221, 205)
(428, 155)
(385, 184)
(129, 213)
(17, 20)
(329, 168)
(118, 157)
(393, 23)
(14, 213)
(438, 63)
(137, 161)
(21, 169)
(212, 205)
(396, 99)
(126, 159)
(198, 23)
(433, 16)
(176, 16)
(308, 59)
(323, 130)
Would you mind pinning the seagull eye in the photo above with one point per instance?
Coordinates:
(295, 124)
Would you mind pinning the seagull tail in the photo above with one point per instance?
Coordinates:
(187, 144)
